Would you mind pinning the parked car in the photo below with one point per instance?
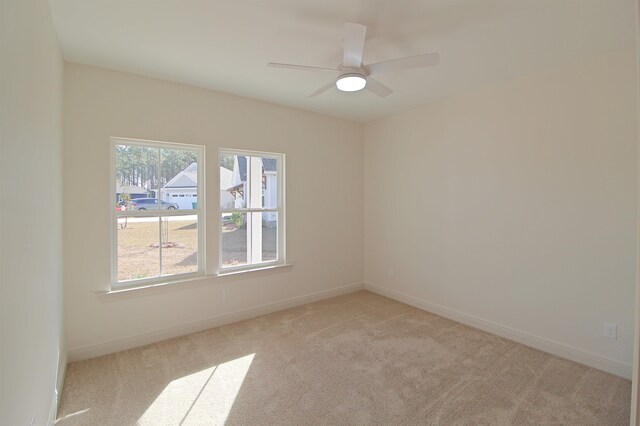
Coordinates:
(151, 204)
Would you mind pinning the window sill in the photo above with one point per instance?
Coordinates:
(152, 286)
(184, 283)
(257, 269)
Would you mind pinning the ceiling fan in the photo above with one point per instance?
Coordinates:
(353, 75)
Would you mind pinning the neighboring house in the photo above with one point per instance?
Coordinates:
(132, 190)
(226, 181)
(269, 185)
(182, 189)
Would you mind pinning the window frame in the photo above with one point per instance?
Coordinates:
(199, 212)
(280, 210)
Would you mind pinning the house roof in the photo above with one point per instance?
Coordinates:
(268, 164)
(188, 178)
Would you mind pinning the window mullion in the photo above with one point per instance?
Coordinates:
(247, 203)
(255, 186)
(259, 210)
(160, 222)
(160, 243)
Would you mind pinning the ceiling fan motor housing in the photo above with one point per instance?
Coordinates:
(348, 71)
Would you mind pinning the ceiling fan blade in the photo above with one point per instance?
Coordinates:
(353, 45)
(322, 90)
(378, 88)
(419, 61)
(300, 67)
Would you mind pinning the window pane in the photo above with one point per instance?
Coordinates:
(138, 248)
(136, 174)
(179, 244)
(234, 239)
(249, 182)
(269, 236)
(233, 181)
(178, 179)
(269, 183)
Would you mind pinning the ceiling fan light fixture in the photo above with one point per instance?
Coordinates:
(353, 75)
(351, 82)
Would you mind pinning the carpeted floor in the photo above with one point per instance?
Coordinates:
(359, 359)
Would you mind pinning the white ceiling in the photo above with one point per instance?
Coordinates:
(225, 45)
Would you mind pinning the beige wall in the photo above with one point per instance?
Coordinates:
(515, 205)
(30, 213)
(323, 190)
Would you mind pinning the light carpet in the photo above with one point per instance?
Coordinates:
(358, 359)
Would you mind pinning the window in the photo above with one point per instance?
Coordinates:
(156, 236)
(251, 210)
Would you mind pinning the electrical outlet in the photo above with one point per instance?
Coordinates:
(225, 293)
(610, 331)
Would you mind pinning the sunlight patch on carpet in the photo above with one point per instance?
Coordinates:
(204, 397)
(70, 415)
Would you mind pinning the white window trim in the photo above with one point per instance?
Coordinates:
(281, 243)
(199, 212)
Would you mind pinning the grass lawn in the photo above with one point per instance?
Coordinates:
(138, 248)
(234, 244)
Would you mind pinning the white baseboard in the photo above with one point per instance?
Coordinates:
(62, 371)
(57, 390)
(105, 348)
(543, 344)
(53, 410)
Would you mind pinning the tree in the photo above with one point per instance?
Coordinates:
(149, 167)
(226, 161)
